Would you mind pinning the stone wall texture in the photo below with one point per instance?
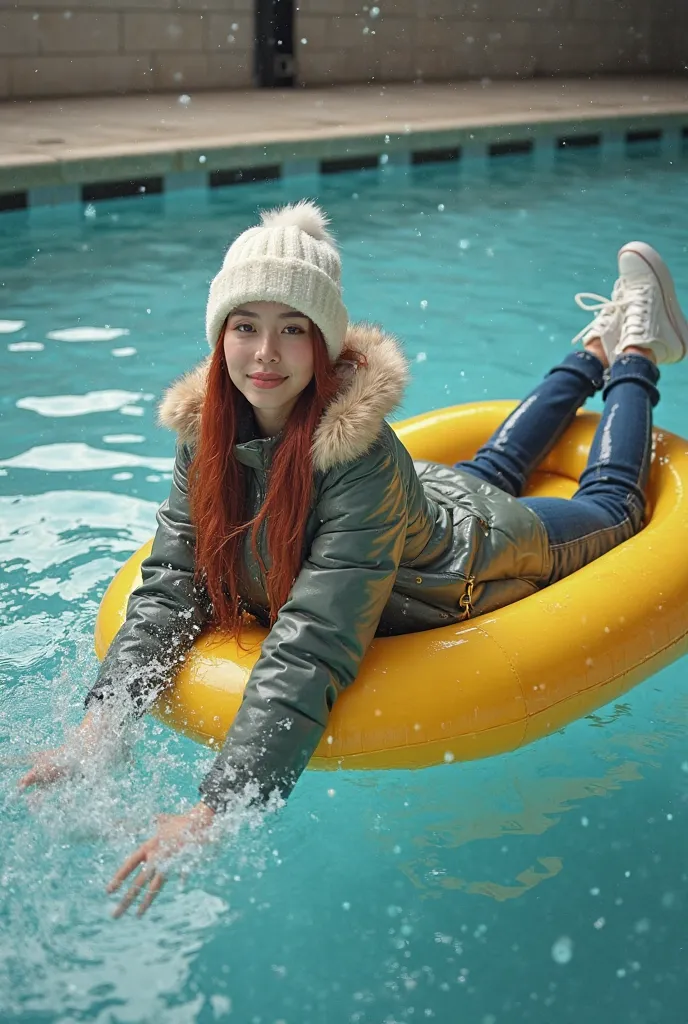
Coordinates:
(92, 47)
(452, 39)
(82, 47)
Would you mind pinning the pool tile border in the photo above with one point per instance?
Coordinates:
(89, 180)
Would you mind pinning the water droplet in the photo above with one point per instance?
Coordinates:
(448, 757)
(562, 950)
(423, 303)
(184, 99)
(374, 12)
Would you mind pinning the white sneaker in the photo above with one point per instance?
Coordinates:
(607, 324)
(652, 317)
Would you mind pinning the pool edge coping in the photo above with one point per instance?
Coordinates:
(52, 181)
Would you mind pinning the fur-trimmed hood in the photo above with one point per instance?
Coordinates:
(352, 421)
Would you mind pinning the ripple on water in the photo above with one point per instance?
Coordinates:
(74, 334)
(71, 458)
(81, 405)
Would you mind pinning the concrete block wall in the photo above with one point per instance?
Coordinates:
(77, 47)
(388, 40)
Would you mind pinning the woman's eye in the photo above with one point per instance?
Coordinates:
(240, 328)
(294, 329)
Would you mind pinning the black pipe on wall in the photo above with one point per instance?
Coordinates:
(274, 44)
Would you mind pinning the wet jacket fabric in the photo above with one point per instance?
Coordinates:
(391, 547)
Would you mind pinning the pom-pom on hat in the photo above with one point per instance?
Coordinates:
(290, 258)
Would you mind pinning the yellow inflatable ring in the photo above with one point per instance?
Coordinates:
(496, 682)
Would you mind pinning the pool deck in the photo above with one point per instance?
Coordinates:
(52, 146)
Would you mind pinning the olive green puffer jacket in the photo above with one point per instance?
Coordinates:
(392, 547)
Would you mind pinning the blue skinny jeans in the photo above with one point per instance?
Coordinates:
(609, 505)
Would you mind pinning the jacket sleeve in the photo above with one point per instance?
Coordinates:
(164, 615)
(315, 647)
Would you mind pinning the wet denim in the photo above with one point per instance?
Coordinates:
(609, 505)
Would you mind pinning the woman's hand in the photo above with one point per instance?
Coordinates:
(48, 766)
(62, 762)
(174, 832)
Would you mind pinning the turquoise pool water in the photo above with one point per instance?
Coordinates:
(545, 885)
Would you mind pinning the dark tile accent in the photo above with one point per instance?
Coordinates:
(510, 148)
(644, 135)
(14, 200)
(579, 141)
(349, 163)
(120, 189)
(244, 175)
(684, 131)
(435, 156)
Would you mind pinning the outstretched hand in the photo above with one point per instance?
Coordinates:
(174, 832)
(94, 737)
(48, 766)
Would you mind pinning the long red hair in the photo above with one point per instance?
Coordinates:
(217, 490)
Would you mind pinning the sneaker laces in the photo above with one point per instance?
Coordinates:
(606, 310)
(637, 320)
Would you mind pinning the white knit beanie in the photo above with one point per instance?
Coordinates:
(290, 258)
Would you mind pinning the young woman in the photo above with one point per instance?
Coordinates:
(294, 501)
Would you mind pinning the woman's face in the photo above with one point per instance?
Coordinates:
(269, 354)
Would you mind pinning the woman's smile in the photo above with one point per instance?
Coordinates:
(266, 380)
